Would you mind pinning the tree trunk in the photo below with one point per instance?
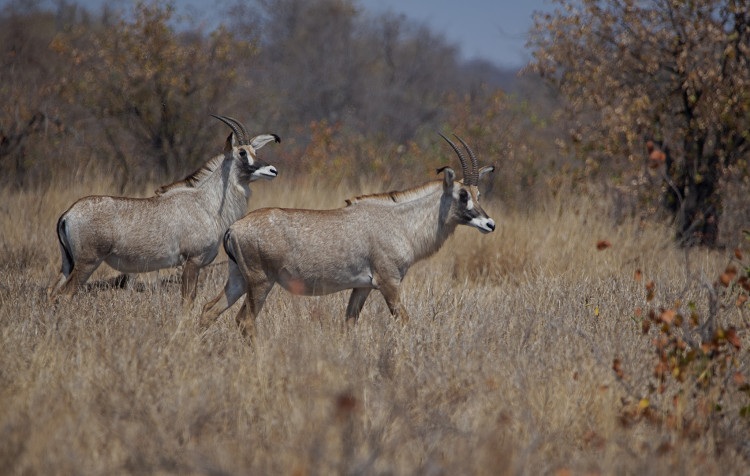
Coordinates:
(693, 198)
(697, 214)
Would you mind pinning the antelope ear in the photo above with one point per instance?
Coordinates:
(263, 139)
(231, 142)
(448, 177)
(485, 170)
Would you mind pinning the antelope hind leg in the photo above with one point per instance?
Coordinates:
(233, 290)
(77, 278)
(245, 323)
(65, 269)
(256, 297)
(55, 288)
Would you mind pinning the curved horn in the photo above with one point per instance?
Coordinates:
(239, 130)
(474, 180)
(464, 165)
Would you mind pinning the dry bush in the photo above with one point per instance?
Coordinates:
(672, 73)
(505, 367)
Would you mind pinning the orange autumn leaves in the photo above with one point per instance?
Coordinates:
(688, 345)
(656, 156)
(728, 277)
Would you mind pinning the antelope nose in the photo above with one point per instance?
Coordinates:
(491, 224)
(268, 171)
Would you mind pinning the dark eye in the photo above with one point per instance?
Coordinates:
(463, 195)
(243, 153)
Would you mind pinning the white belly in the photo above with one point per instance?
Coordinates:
(319, 285)
(142, 264)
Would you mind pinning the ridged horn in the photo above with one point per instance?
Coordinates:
(474, 179)
(237, 127)
(464, 165)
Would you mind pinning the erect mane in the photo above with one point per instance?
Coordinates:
(196, 178)
(398, 196)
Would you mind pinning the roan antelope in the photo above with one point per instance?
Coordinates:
(182, 224)
(369, 244)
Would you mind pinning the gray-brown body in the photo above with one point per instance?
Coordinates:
(182, 224)
(369, 244)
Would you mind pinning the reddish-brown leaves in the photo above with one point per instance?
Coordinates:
(617, 368)
(728, 275)
(683, 356)
(668, 316)
(733, 338)
(656, 156)
(345, 405)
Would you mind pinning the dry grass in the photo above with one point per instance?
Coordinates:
(505, 367)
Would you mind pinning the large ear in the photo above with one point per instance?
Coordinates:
(231, 142)
(448, 177)
(485, 170)
(263, 139)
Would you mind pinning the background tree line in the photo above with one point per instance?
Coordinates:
(356, 95)
(132, 92)
(664, 78)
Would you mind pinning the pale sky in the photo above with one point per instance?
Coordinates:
(493, 30)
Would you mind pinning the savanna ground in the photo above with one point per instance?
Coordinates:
(505, 368)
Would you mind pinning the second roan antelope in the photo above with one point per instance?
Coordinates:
(182, 224)
(369, 244)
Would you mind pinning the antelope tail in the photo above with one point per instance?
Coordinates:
(228, 247)
(62, 236)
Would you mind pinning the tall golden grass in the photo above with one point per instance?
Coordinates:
(505, 367)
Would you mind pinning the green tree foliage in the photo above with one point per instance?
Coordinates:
(669, 71)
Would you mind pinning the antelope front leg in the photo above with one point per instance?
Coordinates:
(356, 302)
(189, 288)
(392, 297)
